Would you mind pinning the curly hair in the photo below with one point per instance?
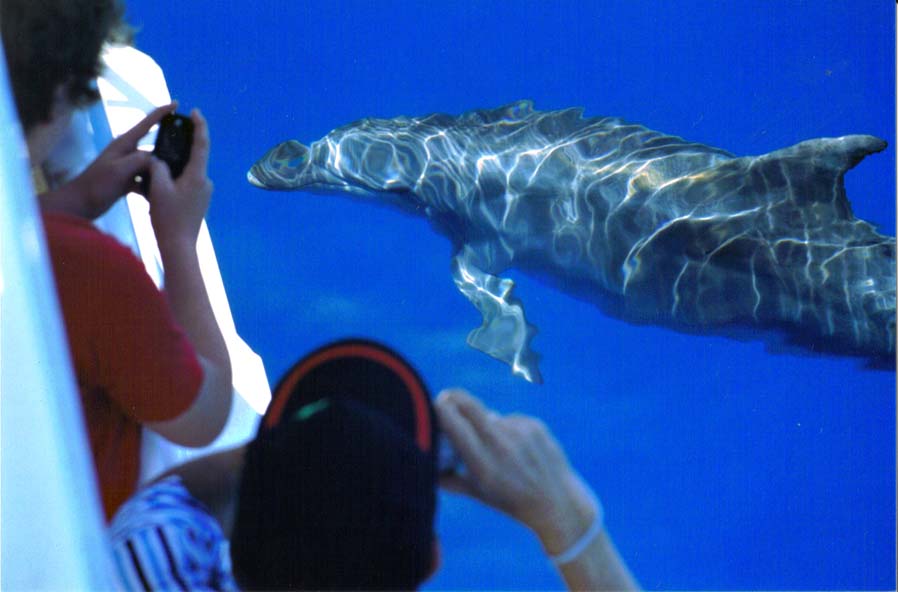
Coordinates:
(53, 43)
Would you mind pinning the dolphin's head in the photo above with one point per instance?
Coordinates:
(284, 167)
(353, 165)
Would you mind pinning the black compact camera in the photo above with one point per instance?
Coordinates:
(173, 142)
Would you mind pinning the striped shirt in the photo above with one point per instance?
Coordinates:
(164, 539)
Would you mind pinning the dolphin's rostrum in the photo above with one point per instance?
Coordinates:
(651, 227)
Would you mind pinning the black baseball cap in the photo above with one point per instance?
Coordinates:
(338, 490)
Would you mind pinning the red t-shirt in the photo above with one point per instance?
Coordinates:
(133, 363)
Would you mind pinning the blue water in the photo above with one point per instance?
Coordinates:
(720, 464)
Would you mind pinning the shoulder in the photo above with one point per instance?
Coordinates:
(100, 281)
(163, 502)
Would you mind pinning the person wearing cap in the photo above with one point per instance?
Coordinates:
(338, 489)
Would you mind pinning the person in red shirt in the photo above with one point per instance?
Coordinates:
(142, 357)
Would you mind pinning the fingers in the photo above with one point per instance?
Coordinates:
(515, 465)
(463, 435)
(128, 140)
(199, 151)
(480, 418)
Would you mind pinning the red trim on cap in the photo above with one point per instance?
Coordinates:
(358, 350)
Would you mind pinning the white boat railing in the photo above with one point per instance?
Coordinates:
(51, 524)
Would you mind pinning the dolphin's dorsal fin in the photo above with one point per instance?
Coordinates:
(835, 154)
(814, 170)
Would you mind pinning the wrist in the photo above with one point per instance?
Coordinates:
(577, 511)
(178, 246)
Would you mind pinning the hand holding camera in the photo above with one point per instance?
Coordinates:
(179, 189)
(119, 169)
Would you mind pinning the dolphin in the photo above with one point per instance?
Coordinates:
(651, 227)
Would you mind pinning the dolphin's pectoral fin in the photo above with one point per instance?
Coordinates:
(505, 333)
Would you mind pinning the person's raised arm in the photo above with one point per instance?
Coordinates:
(110, 176)
(514, 464)
(177, 208)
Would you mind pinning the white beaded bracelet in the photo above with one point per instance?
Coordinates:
(584, 541)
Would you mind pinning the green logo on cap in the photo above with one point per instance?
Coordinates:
(307, 411)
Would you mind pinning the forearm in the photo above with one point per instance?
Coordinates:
(190, 304)
(63, 200)
(598, 567)
(75, 199)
